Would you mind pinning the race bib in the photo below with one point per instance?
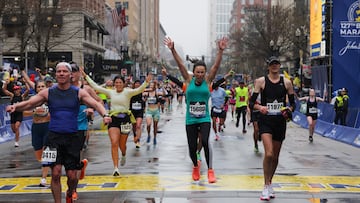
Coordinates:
(313, 110)
(126, 128)
(136, 106)
(151, 100)
(197, 109)
(49, 155)
(242, 98)
(216, 110)
(274, 108)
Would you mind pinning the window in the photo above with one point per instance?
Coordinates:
(266, 2)
(126, 5)
(243, 2)
(47, 3)
(251, 2)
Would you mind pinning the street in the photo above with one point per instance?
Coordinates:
(322, 171)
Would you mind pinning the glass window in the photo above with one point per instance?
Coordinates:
(251, 2)
(243, 2)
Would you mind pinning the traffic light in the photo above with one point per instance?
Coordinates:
(187, 57)
(203, 58)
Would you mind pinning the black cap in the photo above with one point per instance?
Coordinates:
(74, 66)
(273, 60)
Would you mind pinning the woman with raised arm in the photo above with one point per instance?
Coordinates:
(197, 108)
(39, 127)
(122, 117)
(311, 111)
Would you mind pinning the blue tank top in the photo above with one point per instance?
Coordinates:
(197, 103)
(64, 109)
(82, 118)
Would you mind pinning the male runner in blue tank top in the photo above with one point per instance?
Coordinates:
(63, 100)
(273, 116)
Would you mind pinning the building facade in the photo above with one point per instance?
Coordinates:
(67, 31)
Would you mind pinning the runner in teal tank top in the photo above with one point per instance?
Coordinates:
(197, 99)
(197, 95)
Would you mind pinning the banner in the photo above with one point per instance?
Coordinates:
(346, 48)
(319, 80)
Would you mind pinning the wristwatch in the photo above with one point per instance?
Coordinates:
(106, 115)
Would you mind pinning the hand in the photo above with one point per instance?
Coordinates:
(230, 73)
(81, 68)
(222, 43)
(169, 43)
(286, 113)
(107, 120)
(149, 77)
(89, 111)
(263, 110)
(10, 108)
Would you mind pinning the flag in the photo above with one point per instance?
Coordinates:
(123, 22)
(116, 16)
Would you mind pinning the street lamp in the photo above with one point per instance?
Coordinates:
(274, 48)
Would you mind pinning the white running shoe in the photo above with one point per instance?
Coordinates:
(116, 172)
(16, 144)
(265, 194)
(271, 191)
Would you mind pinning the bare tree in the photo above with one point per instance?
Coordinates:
(252, 44)
(42, 24)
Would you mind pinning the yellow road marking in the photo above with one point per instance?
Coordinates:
(311, 184)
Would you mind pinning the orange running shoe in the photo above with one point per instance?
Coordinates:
(211, 176)
(196, 173)
(82, 174)
(74, 196)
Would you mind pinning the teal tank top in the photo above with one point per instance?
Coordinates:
(197, 103)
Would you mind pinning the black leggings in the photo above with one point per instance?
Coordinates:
(239, 111)
(192, 137)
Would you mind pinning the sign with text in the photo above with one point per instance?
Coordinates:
(346, 48)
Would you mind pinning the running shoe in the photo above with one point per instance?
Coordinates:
(116, 172)
(123, 160)
(265, 194)
(244, 131)
(82, 174)
(42, 182)
(69, 199)
(311, 138)
(271, 191)
(16, 144)
(155, 141)
(196, 173)
(198, 155)
(211, 176)
(137, 145)
(74, 196)
(148, 139)
(256, 149)
(217, 137)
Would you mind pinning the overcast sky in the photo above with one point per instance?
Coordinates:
(186, 23)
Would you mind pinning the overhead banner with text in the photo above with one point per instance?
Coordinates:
(346, 48)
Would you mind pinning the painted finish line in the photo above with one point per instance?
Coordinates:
(185, 183)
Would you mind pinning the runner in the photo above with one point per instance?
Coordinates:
(122, 118)
(16, 117)
(39, 127)
(311, 111)
(272, 121)
(197, 110)
(137, 106)
(152, 112)
(64, 145)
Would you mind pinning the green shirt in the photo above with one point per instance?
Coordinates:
(197, 103)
